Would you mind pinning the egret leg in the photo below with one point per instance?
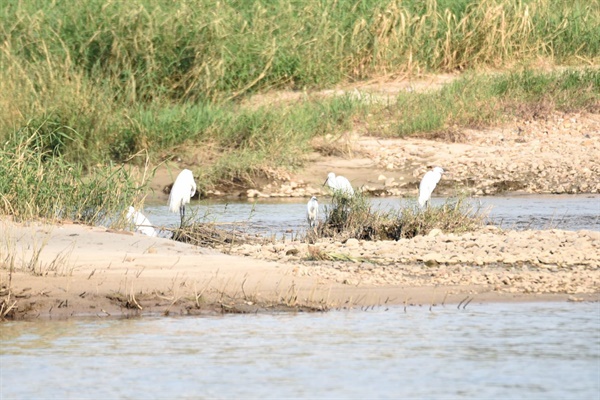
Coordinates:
(182, 215)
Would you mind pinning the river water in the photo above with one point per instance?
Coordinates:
(486, 351)
(280, 216)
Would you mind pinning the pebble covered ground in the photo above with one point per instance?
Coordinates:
(558, 154)
(549, 261)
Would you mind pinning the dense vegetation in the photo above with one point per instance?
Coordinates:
(36, 184)
(101, 81)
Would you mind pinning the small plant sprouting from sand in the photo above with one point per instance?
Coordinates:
(7, 260)
(34, 264)
(60, 265)
(7, 304)
(28, 256)
(29, 259)
(317, 254)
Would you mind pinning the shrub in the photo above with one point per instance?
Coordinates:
(355, 218)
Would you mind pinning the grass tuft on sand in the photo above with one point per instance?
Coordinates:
(355, 218)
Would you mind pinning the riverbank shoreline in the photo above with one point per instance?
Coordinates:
(71, 271)
(550, 154)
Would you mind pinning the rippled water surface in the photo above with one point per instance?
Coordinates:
(532, 350)
(277, 216)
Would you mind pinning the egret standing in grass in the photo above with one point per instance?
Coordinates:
(339, 184)
(428, 183)
(182, 191)
(312, 212)
(142, 224)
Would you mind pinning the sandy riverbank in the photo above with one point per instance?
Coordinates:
(72, 270)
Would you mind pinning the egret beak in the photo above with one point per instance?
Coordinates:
(325, 181)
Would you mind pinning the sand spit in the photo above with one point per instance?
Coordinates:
(71, 270)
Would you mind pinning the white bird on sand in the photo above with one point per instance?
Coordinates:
(142, 224)
(428, 183)
(312, 212)
(182, 191)
(339, 184)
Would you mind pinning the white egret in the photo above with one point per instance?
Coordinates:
(182, 191)
(428, 183)
(312, 212)
(339, 184)
(142, 224)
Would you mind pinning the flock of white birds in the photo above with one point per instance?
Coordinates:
(184, 189)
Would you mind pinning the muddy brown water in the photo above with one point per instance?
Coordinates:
(486, 351)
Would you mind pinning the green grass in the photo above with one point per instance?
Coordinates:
(454, 216)
(202, 50)
(101, 82)
(350, 217)
(239, 144)
(477, 100)
(36, 183)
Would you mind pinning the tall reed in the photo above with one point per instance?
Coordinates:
(112, 78)
(36, 183)
(145, 50)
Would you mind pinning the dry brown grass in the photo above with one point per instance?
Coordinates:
(354, 218)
